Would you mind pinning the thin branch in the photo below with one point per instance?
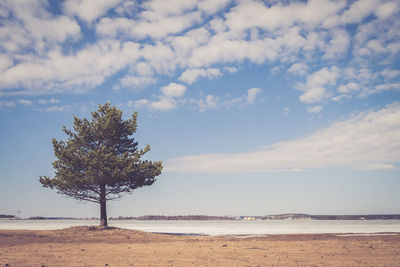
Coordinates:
(79, 196)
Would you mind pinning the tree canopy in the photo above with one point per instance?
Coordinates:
(100, 160)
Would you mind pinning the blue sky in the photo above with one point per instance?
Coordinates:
(254, 107)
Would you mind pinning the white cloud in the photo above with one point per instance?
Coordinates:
(8, 104)
(191, 75)
(386, 9)
(65, 108)
(138, 103)
(221, 49)
(247, 99)
(359, 10)
(31, 26)
(340, 97)
(210, 101)
(388, 86)
(25, 102)
(314, 109)
(298, 68)
(127, 8)
(112, 27)
(377, 40)
(154, 25)
(390, 73)
(173, 90)
(235, 102)
(376, 46)
(51, 101)
(54, 101)
(170, 7)
(348, 88)
(252, 94)
(212, 6)
(315, 88)
(393, 47)
(292, 39)
(163, 104)
(143, 69)
(129, 81)
(231, 69)
(374, 137)
(40, 53)
(184, 45)
(5, 62)
(286, 111)
(167, 100)
(338, 45)
(89, 10)
(314, 95)
(74, 73)
(218, 25)
(160, 57)
(249, 14)
(172, 95)
(361, 75)
(379, 88)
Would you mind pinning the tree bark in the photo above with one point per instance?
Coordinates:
(103, 210)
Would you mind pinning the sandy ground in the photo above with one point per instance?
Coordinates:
(90, 246)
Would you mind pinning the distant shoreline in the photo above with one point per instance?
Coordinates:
(291, 216)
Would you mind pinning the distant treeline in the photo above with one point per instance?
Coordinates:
(4, 216)
(176, 217)
(358, 217)
(331, 217)
(59, 218)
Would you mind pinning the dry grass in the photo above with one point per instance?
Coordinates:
(94, 246)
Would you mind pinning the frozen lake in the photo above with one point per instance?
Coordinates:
(234, 227)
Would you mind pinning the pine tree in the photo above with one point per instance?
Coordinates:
(100, 161)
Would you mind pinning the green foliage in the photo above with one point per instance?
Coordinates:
(100, 161)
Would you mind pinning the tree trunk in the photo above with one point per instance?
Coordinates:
(103, 210)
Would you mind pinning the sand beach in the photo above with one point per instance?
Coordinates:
(93, 246)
